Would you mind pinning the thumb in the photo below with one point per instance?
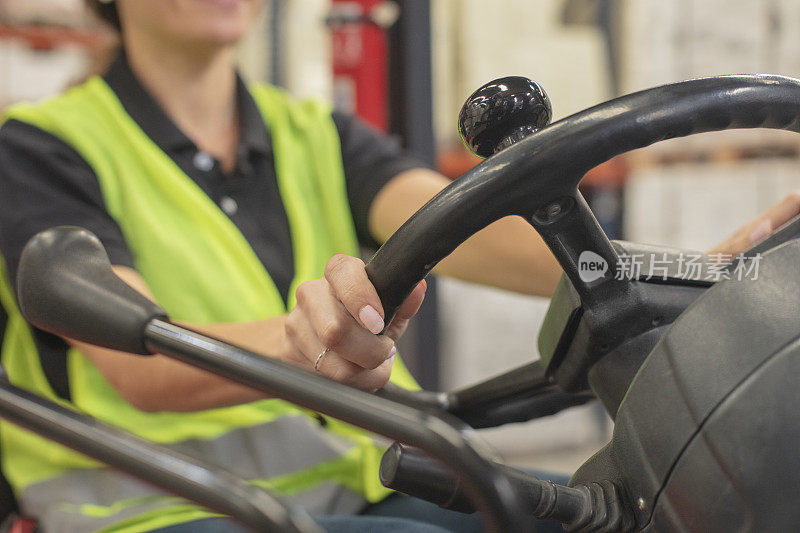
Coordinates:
(406, 311)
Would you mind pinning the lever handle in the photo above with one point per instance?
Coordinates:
(65, 285)
(594, 507)
(410, 472)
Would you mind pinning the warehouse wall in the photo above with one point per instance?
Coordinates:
(474, 43)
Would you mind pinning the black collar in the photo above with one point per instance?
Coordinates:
(149, 115)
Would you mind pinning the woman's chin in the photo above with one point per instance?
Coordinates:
(215, 22)
(220, 35)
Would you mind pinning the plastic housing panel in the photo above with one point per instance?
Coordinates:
(721, 341)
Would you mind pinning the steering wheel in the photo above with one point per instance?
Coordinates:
(602, 326)
(533, 170)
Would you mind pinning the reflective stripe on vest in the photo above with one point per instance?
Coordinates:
(144, 504)
(95, 498)
(200, 269)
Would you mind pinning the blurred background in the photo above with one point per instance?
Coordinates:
(407, 66)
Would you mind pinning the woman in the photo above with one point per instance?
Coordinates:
(224, 203)
(239, 211)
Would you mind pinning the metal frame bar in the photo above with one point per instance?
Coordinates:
(437, 434)
(171, 471)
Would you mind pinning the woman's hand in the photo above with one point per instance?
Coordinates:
(342, 312)
(759, 228)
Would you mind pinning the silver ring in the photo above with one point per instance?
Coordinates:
(319, 358)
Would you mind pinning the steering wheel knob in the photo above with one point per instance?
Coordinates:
(501, 113)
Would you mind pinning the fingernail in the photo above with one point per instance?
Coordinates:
(392, 353)
(761, 231)
(371, 319)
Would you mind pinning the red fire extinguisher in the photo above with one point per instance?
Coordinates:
(360, 57)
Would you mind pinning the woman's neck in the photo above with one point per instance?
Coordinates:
(197, 90)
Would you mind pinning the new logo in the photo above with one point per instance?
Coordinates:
(591, 266)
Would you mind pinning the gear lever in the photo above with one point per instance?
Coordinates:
(501, 113)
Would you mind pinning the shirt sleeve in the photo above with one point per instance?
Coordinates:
(371, 159)
(44, 182)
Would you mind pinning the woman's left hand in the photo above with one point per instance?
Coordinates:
(337, 326)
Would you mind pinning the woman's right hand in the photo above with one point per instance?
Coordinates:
(342, 312)
(760, 227)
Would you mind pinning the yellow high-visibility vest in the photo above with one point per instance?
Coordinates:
(200, 269)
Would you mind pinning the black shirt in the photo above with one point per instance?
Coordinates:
(44, 182)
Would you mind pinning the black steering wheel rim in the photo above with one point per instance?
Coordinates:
(539, 175)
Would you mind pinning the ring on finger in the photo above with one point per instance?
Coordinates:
(319, 359)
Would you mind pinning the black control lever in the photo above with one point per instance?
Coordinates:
(65, 280)
(519, 395)
(69, 264)
(590, 507)
(537, 177)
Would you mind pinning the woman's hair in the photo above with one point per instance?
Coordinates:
(107, 11)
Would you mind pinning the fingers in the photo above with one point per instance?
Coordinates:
(334, 367)
(352, 287)
(336, 329)
(784, 211)
(305, 348)
(744, 238)
(320, 320)
(761, 227)
(342, 312)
